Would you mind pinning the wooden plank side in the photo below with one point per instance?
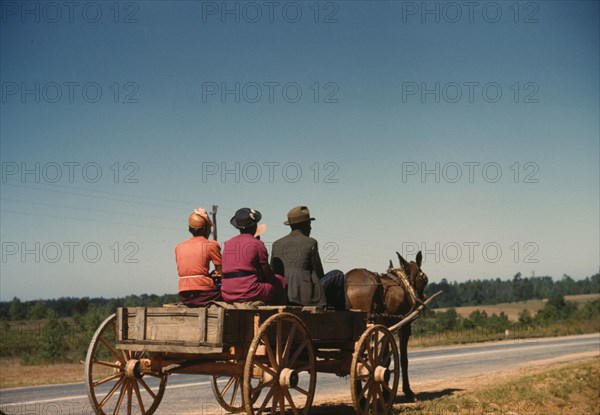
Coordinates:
(334, 326)
(173, 326)
(169, 348)
(219, 322)
(140, 324)
(360, 324)
(238, 327)
(202, 324)
(214, 320)
(214, 326)
(197, 326)
(121, 328)
(173, 331)
(229, 325)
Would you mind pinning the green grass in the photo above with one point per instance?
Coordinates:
(569, 390)
(517, 333)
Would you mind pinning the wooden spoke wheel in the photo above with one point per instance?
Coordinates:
(280, 373)
(114, 379)
(228, 392)
(374, 372)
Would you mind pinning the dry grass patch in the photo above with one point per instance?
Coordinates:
(563, 389)
(512, 310)
(13, 374)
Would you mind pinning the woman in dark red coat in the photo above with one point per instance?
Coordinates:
(247, 275)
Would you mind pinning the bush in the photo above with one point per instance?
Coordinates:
(53, 341)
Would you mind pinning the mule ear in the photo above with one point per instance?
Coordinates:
(419, 258)
(391, 266)
(403, 262)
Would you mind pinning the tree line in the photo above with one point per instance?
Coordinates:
(496, 291)
(456, 294)
(42, 331)
(72, 306)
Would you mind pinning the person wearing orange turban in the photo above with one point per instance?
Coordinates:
(193, 256)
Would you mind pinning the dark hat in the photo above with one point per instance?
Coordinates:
(298, 214)
(245, 218)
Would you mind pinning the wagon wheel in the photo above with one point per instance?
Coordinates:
(374, 372)
(280, 368)
(113, 377)
(230, 396)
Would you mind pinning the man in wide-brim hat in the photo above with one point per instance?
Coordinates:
(296, 257)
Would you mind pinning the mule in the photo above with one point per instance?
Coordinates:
(384, 298)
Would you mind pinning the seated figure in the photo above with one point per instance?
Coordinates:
(193, 257)
(296, 257)
(247, 275)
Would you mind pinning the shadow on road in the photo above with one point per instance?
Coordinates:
(346, 408)
(430, 395)
(332, 409)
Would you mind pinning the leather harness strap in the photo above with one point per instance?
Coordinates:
(402, 281)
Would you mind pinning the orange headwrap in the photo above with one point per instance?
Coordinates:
(199, 218)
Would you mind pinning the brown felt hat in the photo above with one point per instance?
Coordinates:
(298, 214)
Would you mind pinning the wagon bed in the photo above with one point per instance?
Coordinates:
(221, 328)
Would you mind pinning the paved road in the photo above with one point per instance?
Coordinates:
(193, 395)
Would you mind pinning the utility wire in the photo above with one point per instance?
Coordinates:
(88, 209)
(85, 219)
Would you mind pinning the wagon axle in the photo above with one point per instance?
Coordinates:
(382, 374)
(136, 368)
(288, 378)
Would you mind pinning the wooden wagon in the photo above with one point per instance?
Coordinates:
(262, 360)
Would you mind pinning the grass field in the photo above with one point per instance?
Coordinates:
(512, 310)
(14, 374)
(564, 389)
(516, 330)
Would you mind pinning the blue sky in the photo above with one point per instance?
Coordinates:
(402, 125)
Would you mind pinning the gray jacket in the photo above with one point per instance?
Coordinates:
(296, 257)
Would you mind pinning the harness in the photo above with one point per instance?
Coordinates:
(402, 280)
(399, 278)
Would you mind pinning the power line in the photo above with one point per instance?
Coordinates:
(90, 196)
(87, 209)
(32, 214)
(100, 191)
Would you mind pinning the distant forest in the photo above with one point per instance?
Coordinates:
(496, 291)
(456, 294)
